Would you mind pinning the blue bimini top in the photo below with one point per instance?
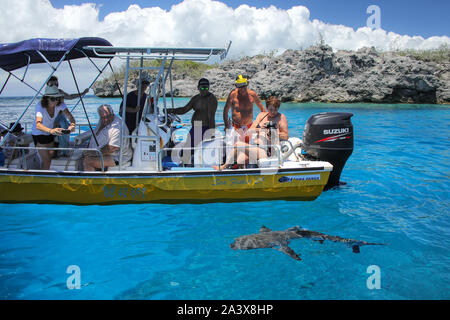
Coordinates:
(17, 55)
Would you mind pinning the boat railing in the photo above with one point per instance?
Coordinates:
(28, 125)
(24, 156)
(277, 149)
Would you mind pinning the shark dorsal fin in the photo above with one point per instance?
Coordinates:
(264, 229)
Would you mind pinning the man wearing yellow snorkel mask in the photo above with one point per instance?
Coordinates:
(241, 101)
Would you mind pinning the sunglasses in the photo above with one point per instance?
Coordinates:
(53, 99)
(106, 115)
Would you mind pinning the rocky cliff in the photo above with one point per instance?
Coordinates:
(319, 74)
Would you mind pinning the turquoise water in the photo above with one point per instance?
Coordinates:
(396, 193)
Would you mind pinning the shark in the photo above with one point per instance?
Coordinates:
(279, 240)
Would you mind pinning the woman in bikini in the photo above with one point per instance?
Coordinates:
(260, 136)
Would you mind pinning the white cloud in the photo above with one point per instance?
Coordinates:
(195, 23)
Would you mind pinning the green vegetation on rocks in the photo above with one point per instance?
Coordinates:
(319, 74)
(439, 55)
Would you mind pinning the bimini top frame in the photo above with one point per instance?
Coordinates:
(14, 56)
(158, 53)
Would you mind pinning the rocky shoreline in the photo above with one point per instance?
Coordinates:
(321, 75)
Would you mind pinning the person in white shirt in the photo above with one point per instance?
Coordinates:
(43, 130)
(60, 121)
(107, 134)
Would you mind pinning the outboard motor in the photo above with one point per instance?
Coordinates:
(328, 137)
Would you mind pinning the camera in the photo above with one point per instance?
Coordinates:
(271, 125)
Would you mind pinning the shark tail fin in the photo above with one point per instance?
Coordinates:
(356, 246)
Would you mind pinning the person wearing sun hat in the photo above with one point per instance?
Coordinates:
(60, 121)
(43, 130)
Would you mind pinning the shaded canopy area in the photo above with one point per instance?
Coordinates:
(17, 55)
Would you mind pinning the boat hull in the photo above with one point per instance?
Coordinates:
(193, 187)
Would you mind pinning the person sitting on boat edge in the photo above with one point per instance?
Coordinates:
(43, 130)
(15, 134)
(240, 100)
(132, 118)
(268, 129)
(107, 133)
(204, 105)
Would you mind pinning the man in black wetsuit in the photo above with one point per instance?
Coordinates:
(204, 105)
(132, 105)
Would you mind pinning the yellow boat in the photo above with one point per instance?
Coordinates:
(168, 187)
(289, 174)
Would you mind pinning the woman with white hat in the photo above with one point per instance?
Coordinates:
(43, 130)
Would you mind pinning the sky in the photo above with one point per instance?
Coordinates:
(410, 17)
(254, 26)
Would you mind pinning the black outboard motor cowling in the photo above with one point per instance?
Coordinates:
(328, 137)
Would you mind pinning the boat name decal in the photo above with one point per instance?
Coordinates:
(299, 178)
(237, 181)
(133, 193)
